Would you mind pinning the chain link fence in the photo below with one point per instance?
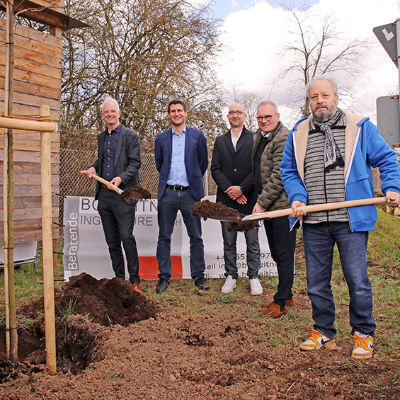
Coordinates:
(73, 183)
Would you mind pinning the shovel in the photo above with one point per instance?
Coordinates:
(315, 208)
(125, 194)
(103, 181)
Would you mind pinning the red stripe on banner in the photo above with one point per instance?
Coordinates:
(148, 267)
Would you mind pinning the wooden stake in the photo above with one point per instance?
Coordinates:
(47, 247)
(8, 201)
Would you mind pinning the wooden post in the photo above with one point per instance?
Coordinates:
(55, 256)
(5, 230)
(8, 200)
(47, 247)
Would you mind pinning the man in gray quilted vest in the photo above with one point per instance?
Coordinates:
(269, 142)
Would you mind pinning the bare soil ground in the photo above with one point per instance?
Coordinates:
(186, 344)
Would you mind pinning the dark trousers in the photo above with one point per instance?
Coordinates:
(282, 244)
(117, 218)
(168, 207)
(230, 252)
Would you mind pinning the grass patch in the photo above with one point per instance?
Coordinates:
(384, 271)
(68, 310)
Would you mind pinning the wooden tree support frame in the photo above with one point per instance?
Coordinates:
(45, 128)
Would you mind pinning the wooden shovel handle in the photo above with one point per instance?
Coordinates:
(316, 207)
(105, 182)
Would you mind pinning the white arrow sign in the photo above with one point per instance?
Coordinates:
(388, 35)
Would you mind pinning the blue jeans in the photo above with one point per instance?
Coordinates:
(168, 207)
(230, 252)
(319, 241)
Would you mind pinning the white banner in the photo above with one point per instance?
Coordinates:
(85, 248)
(23, 253)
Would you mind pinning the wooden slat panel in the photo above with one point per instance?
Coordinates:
(22, 109)
(33, 89)
(31, 168)
(46, 38)
(34, 202)
(31, 180)
(31, 191)
(27, 54)
(24, 135)
(35, 79)
(26, 156)
(57, 5)
(30, 145)
(23, 42)
(29, 100)
(29, 214)
(28, 225)
(30, 236)
(32, 65)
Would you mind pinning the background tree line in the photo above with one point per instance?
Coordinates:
(143, 53)
(147, 52)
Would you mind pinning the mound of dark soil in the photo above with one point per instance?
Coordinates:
(94, 305)
(105, 301)
(10, 370)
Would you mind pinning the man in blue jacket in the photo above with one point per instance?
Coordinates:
(181, 159)
(328, 158)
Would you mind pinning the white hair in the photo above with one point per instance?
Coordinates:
(323, 77)
(268, 103)
(111, 100)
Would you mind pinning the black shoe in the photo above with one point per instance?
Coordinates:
(162, 285)
(201, 283)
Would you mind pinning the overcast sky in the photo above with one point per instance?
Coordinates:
(253, 32)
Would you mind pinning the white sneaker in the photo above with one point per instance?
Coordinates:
(229, 285)
(255, 287)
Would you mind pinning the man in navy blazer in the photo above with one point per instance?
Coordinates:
(118, 162)
(181, 159)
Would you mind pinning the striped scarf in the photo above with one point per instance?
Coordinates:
(332, 155)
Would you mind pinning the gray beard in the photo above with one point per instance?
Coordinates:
(325, 116)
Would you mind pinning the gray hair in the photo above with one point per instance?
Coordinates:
(268, 103)
(323, 77)
(111, 100)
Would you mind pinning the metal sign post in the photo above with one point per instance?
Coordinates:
(387, 35)
(388, 118)
(398, 52)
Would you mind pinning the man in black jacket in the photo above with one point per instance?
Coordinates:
(231, 170)
(118, 162)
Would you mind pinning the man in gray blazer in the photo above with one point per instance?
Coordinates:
(118, 162)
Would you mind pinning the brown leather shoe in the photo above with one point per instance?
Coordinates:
(266, 305)
(275, 311)
(136, 287)
(290, 303)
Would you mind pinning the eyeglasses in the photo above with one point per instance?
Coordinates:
(238, 112)
(266, 117)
